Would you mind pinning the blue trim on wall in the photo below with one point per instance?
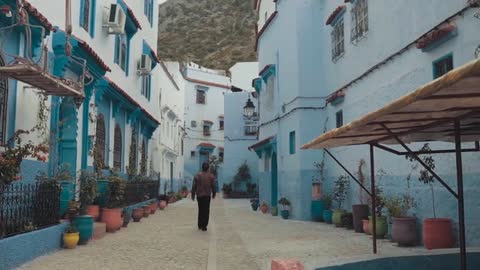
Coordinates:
(338, 18)
(257, 84)
(270, 71)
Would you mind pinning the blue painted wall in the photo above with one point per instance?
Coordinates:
(31, 168)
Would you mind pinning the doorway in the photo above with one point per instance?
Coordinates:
(274, 172)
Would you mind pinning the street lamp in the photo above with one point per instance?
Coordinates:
(249, 108)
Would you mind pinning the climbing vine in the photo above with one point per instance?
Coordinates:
(43, 115)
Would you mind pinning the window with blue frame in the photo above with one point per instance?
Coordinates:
(339, 118)
(148, 10)
(292, 142)
(442, 66)
(146, 86)
(87, 16)
(121, 51)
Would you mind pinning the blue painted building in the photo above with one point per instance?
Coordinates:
(326, 63)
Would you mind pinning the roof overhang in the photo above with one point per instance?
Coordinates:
(426, 114)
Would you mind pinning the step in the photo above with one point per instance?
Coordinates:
(99, 230)
(287, 265)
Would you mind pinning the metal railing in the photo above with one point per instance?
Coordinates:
(28, 207)
(139, 191)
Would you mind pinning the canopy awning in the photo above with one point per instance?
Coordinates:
(426, 114)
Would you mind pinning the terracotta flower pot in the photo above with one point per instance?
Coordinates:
(94, 211)
(404, 231)
(171, 199)
(146, 211)
(162, 205)
(137, 214)
(360, 212)
(264, 208)
(438, 233)
(153, 208)
(112, 218)
(365, 223)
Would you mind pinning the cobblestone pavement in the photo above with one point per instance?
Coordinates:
(237, 239)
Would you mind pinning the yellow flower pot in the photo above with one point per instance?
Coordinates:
(70, 240)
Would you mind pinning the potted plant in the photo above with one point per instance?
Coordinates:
(163, 198)
(360, 211)
(274, 211)
(184, 191)
(437, 232)
(347, 221)
(285, 203)
(327, 213)
(317, 202)
(112, 213)
(146, 211)
(339, 196)
(404, 228)
(88, 194)
(137, 214)
(71, 236)
(264, 207)
(254, 204)
(381, 226)
(227, 189)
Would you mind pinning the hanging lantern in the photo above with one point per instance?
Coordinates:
(249, 108)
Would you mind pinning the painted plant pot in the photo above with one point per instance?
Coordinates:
(146, 211)
(360, 212)
(337, 217)
(366, 226)
(84, 224)
(112, 218)
(94, 211)
(285, 214)
(254, 206)
(264, 208)
(347, 221)
(316, 210)
(153, 208)
(162, 205)
(327, 216)
(137, 214)
(438, 233)
(274, 211)
(381, 226)
(70, 240)
(404, 231)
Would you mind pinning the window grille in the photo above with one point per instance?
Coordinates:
(201, 97)
(338, 40)
(86, 15)
(359, 20)
(100, 136)
(117, 148)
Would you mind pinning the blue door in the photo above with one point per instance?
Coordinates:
(274, 181)
(67, 148)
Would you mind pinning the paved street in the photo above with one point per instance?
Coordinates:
(237, 238)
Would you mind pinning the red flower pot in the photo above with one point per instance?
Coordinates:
(137, 214)
(438, 233)
(94, 211)
(264, 208)
(171, 199)
(404, 231)
(365, 223)
(112, 218)
(146, 211)
(162, 205)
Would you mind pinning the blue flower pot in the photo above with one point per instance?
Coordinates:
(284, 214)
(316, 211)
(255, 206)
(84, 224)
(327, 216)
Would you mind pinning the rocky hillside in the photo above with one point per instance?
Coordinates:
(213, 33)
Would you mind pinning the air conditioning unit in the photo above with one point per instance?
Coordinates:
(144, 65)
(114, 19)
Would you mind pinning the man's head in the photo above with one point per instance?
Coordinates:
(205, 167)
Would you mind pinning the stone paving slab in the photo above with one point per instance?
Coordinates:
(237, 239)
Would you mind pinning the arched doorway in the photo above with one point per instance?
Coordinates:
(67, 147)
(117, 148)
(274, 172)
(3, 106)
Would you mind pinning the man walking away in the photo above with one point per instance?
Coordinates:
(203, 187)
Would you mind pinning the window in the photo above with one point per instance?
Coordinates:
(201, 96)
(100, 136)
(3, 106)
(87, 15)
(292, 142)
(359, 20)
(117, 148)
(206, 130)
(193, 124)
(148, 10)
(192, 154)
(181, 148)
(221, 124)
(146, 86)
(266, 164)
(339, 117)
(250, 128)
(121, 51)
(442, 66)
(338, 44)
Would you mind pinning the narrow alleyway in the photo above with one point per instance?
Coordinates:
(238, 238)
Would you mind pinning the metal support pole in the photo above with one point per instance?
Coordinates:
(461, 209)
(372, 184)
(348, 172)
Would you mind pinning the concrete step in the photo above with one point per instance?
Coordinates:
(99, 230)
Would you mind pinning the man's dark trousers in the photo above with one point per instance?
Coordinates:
(203, 211)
